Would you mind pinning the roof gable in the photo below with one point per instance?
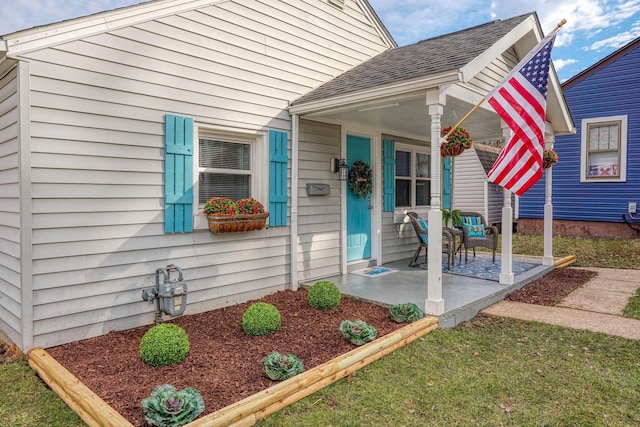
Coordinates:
(57, 33)
(438, 55)
(487, 155)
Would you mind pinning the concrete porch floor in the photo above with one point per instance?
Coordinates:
(463, 296)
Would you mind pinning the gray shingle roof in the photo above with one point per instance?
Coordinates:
(487, 154)
(443, 53)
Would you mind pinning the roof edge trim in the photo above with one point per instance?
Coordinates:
(25, 41)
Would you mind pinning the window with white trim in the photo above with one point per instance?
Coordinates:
(230, 164)
(604, 149)
(413, 177)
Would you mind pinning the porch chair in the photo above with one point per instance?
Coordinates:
(476, 232)
(422, 232)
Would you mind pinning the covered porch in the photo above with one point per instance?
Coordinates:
(388, 113)
(464, 295)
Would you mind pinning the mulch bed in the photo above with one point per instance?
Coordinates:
(553, 287)
(225, 364)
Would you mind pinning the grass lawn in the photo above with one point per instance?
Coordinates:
(488, 372)
(485, 372)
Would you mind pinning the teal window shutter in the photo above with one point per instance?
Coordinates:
(446, 182)
(278, 161)
(178, 174)
(389, 174)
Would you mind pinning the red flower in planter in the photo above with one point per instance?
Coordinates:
(220, 206)
(249, 206)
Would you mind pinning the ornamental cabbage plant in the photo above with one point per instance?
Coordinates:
(358, 332)
(168, 407)
(280, 367)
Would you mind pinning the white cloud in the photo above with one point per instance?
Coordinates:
(617, 41)
(561, 63)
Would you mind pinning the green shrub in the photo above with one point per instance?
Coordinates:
(164, 344)
(358, 332)
(168, 407)
(324, 295)
(261, 318)
(405, 313)
(280, 367)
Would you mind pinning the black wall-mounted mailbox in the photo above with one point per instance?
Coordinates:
(318, 189)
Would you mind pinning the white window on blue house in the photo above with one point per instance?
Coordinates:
(604, 149)
(412, 178)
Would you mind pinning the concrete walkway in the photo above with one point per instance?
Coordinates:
(596, 306)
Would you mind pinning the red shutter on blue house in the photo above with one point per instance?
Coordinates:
(178, 174)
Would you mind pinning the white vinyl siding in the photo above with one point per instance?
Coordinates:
(318, 216)
(97, 156)
(10, 283)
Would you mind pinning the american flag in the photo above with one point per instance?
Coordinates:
(521, 101)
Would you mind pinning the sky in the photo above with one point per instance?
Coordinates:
(594, 28)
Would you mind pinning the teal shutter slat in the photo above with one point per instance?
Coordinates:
(446, 182)
(178, 174)
(389, 174)
(278, 161)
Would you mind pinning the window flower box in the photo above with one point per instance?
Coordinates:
(226, 216)
(236, 223)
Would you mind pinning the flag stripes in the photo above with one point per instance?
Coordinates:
(520, 100)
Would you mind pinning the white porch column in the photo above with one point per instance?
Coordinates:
(506, 267)
(547, 258)
(435, 303)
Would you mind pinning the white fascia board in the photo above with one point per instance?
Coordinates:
(481, 61)
(398, 89)
(49, 35)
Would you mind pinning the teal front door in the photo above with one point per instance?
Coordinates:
(358, 210)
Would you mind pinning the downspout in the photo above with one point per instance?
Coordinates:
(26, 221)
(295, 140)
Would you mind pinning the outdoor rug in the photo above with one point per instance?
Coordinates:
(482, 267)
(374, 271)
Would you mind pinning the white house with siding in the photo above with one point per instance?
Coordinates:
(116, 127)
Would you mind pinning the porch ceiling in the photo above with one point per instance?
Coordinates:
(409, 116)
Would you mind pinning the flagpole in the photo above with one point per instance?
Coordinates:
(466, 116)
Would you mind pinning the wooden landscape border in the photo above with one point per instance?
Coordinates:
(95, 412)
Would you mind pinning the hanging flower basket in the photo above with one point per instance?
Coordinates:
(360, 179)
(549, 158)
(226, 216)
(237, 223)
(456, 143)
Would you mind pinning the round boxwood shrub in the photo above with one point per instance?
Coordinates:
(163, 345)
(261, 318)
(324, 295)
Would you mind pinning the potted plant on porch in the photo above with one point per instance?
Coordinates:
(458, 141)
(226, 216)
(549, 158)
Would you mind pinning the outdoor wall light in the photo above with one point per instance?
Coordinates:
(340, 166)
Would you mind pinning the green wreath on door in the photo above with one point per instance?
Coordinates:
(360, 179)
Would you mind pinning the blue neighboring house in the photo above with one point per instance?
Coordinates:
(597, 177)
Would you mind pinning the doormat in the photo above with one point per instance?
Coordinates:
(483, 267)
(373, 271)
